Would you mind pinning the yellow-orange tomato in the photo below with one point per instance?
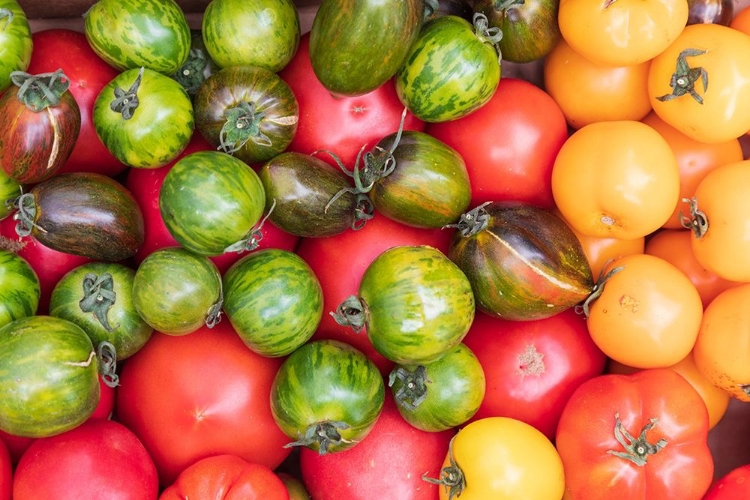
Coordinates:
(694, 160)
(615, 179)
(721, 221)
(722, 350)
(621, 33)
(590, 92)
(716, 399)
(741, 21)
(674, 246)
(648, 313)
(711, 109)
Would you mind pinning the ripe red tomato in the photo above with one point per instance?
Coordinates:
(388, 463)
(6, 472)
(733, 485)
(192, 396)
(68, 49)
(532, 367)
(509, 144)
(98, 459)
(341, 125)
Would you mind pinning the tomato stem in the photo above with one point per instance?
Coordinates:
(637, 449)
(351, 312)
(430, 8)
(597, 290)
(98, 297)
(684, 78)
(451, 477)
(412, 390)
(192, 74)
(126, 101)
(106, 355)
(254, 237)
(487, 34)
(698, 222)
(38, 92)
(213, 316)
(502, 5)
(242, 125)
(472, 222)
(322, 435)
(25, 206)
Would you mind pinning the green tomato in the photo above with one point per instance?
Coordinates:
(19, 288)
(15, 41)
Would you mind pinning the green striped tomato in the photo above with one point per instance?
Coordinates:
(263, 33)
(98, 297)
(358, 45)
(327, 396)
(144, 118)
(442, 394)
(48, 376)
(273, 300)
(176, 291)
(451, 70)
(210, 202)
(130, 34)
(19, 288)
(9, 190)
(415, 303)
(523, 261)
(15, 41)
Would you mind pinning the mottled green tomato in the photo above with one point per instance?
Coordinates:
(15, 41)
(9, 190)
(19, 288)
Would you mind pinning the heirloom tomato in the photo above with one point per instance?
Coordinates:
(16, 42)
(731, 486)
(621, 436)
(9, 189)
(19, 288)
(217, 403)
(111, 462)
(509, 144)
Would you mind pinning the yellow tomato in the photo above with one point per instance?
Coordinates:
(501, 457)
(615, 180)
(701, 84)
(621, 33)
(590, 92)
(646, 314)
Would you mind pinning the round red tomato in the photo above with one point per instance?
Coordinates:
(340, 125)
(98, 459)
(388, 463)
(192, 396)
(734, 485)
(6, 472)
(340, 261)
(532, 367)
(509, 144)
(68, 49)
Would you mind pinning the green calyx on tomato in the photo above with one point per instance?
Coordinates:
(98, 297)
(698, 222)
(106, 355)
(252, 240)
(637, 449)
(352, 312)
(684, 78)
(473, 221)
(25, 215)
(40, 91)
(242, 125)
(322, 435)
(451, 477)
(486, 33)
(126, 102)
(597, 289)
(413, 390)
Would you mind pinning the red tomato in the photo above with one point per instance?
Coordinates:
(509, 144)
(98, 459)
(6, 472)
(341, 125)
(532, 367)
(16, 445)
(68, 49)
(226, 477)
(106, 401)
(388, 463)
(192, 396)
(340, 261)
(732, 486)
(642, 437)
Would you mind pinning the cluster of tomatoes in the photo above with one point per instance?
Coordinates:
(289, 257)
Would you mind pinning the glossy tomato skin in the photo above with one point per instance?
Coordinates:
(88, 73)
(734, 484)
(532, 367)
(342, 125)
(199, 417)
(651, 405)
(390, 460)
(15, 40)
(110, 462)
(19, 288)
(509, 144)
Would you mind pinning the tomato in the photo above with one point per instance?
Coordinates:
(6, 472)
(620, 436)
(509, 144)
(678, 83)
(741, 20)
(9, 189)
(110, 462)
(294, 486)
(646, 313)
(710, 11)
(500, 457)
(15, 41)
(390, 460)
(226, 477)
(88, 74)
(532, 367)
(19, 288)
(734, 484)
(720, 349)
(589, 92)
(185, 405)
(629, 199)
(621, 33)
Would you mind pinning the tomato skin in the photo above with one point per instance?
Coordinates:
(734, 484)
(6, 472)
(110, 462)
(587, 434)
(19, 288)
(16, 42)
(509, 144)
(199, 417)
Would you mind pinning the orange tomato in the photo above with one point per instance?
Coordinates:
(647, 313)
(590, 92)
(722, 350)
(741, 21)
(615, 179)
(674, 246)
(720, 221)
(694, 160)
